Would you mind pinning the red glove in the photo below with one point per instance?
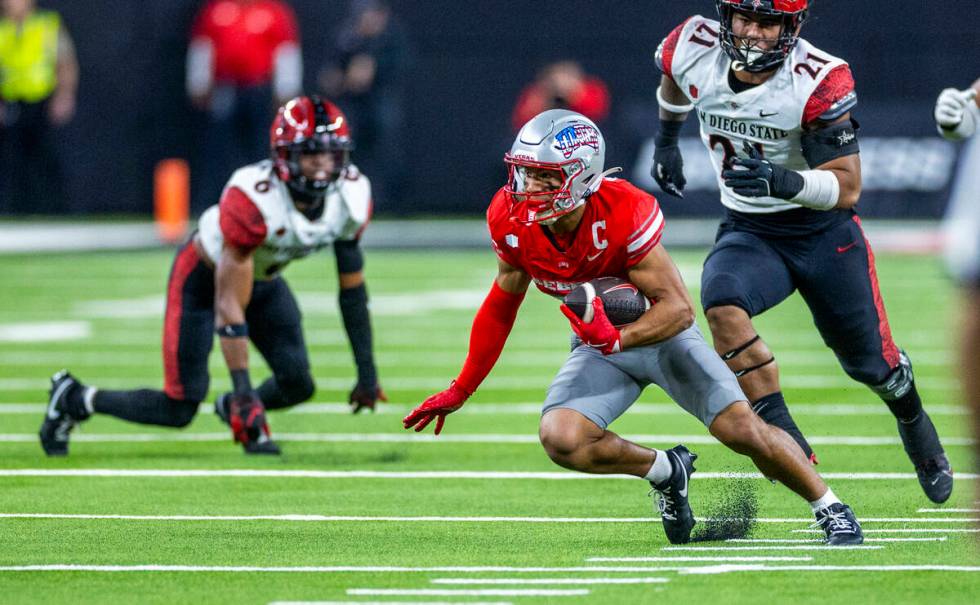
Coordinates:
(599, 333)
(436, 406)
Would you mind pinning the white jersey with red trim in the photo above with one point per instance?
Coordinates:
(257, 212)
(811, 85)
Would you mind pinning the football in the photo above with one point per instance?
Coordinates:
(624, 303)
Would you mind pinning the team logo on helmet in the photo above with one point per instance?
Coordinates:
(575, 137)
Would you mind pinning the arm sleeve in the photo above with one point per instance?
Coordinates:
(648, 228)
(357, 323)
(833, 97)
(242, 224)
(491, 326)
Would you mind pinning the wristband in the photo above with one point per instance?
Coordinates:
(821, 190)
(232, 331)
(241, 384)
(669, 133)
(668, 106)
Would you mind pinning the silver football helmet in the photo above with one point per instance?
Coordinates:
(560, 140)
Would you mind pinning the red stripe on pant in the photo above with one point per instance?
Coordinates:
(888, 349)
(187, 259)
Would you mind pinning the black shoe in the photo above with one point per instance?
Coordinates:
(926, 453)
(675, 510)
(936, 478)
(246, 417)
(839, 524)
(60, 419)
(221, 408)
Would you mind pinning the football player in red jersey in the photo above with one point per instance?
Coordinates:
(227, 279)
(560, 221)
(775, 115)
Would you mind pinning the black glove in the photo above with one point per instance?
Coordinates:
(363, 396)
(761, 178)
(668, 164)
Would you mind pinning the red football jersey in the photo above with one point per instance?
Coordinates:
(621, 224)
(245, 36)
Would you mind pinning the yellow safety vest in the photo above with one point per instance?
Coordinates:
(29, 57)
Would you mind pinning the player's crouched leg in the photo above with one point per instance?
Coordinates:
(287, 388)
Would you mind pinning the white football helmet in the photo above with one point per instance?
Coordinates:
(561, 140)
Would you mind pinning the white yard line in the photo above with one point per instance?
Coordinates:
(949, 510)
(312, 518)
(747, 548)
(477, 592)
(547, 581)
(482, 475)
(718, 569)
(408, 437)
(329, 569)
(534, 409)
(390, 603)
(819, 540)
(692, 559)
(908, 530)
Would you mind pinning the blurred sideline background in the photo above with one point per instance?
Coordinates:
(466, 65)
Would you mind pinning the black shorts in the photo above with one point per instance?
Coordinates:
(274, 326)
(834, 271)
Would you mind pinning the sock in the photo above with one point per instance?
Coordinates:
(88, 399)
(661, 469)
(75, 402)
(772, 408)
(824, 501)
(907, 407)
(144, 406)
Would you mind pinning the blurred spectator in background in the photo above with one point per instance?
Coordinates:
(368, 76)
(38, 82)
(244, 60)
(562, 85)
(957, 117)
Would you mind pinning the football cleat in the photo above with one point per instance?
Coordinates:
(60, 418)
(922, 444)
(675, 509)
(246, 417)
(936, 477)
(839, 524)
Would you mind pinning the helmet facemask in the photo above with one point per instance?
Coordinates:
(547, 206)
(752, 58)
(312, 187)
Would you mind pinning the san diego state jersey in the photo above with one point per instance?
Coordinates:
(620, 225)
(810, 86)
(257, 212)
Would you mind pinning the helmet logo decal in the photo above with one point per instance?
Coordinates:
(756, 3)
(574, 137)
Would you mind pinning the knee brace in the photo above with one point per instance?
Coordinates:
(898, 383)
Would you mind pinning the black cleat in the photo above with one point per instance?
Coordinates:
(59, 419)
(839, 524)
(675, 510)
(247, 422)
(926, 453)
(936, 478)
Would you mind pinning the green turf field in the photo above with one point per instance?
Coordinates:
(358, 510)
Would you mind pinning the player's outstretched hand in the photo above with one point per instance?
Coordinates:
(598, 333)
(756, 176)
(365, 397)
(435, 408)
(668, 170)
(951, 105)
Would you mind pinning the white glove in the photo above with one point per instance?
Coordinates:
(954, 116)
